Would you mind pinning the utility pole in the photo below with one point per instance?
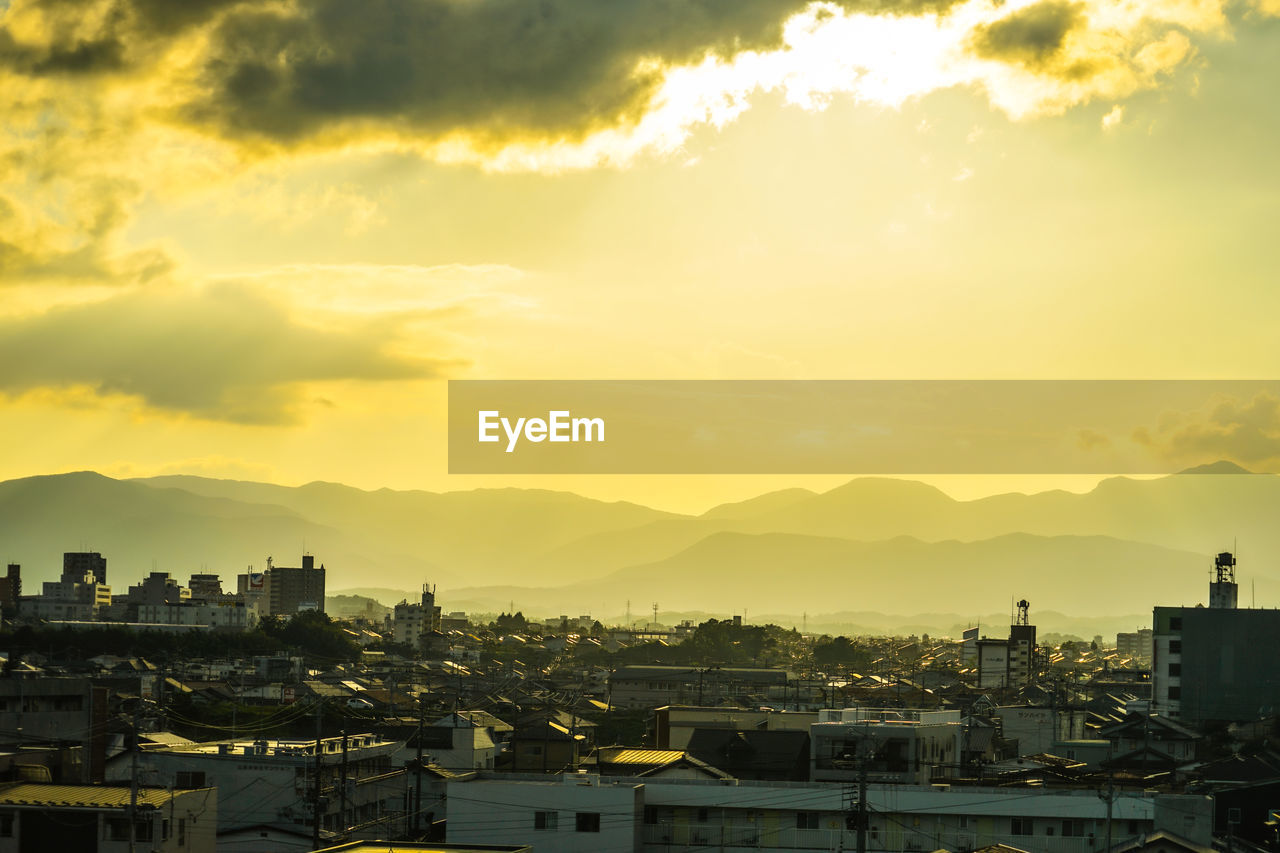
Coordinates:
(342, 791)
(862, 801)
(315, 795)
(133, 777)
(417, 789)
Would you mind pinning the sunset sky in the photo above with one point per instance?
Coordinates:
(254, 239)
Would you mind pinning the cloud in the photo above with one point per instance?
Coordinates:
(1244, 431)
(1113, 118)
(1033, 35)
(220, 352)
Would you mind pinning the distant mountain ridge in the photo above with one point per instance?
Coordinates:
(893, 546)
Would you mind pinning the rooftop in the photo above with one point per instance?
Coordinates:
(81, 796)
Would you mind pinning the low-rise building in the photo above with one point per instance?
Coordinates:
(106, 819)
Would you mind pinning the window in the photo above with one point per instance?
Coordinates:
(182, 831)
(702, 815)
(1175, 623)
(588, 822)
(1020, 826)
(1073, 829)
(650, 814)
(6, 825)
(535, 749)
(806, 820)
(1175, 669)
(546, 820)
(1175, 647)
(189, 779)
(1175, 692)
(117, 829)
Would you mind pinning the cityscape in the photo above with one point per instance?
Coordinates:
(639, 426)
(181, 715)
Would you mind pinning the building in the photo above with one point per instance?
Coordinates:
(271, 782)
(292, 590)
(887, 745)
(80, 563)
(224, 615)
(205, 587)
(575, 813)
(655, 815)
(44, 708)
(993, 663)
(80, 594)
(413, 623)
(1135, 644)
(1022, 647)
(654, 686)
(11, 589)
(158, 588)
(93, 817)
(1216, 662)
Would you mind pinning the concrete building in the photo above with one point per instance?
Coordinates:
(78, 595)
(890, 745)
(11, 589)
(54, 709)
(291, 590)
(993, 663)
(677, 813)
(1216, 662)
(223, 615)
(674, 725)
(574, 813)
(91, 817)
(415, 622)
(271, 782)
(79, 563)
(205, 587)
(1022, 647)
(654, 686)
(1135, 644)
(158, 588)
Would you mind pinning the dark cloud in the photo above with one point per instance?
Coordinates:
(127, 34)
(491, 67)
(220, 353)
(1032, 36)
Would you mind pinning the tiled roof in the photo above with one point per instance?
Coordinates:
(80, 796)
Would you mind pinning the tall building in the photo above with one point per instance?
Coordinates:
(205, 587)
(1215, 662)
(75, 564)
(415, 621)
(1022, 647)
(291, 590)
(11, 587)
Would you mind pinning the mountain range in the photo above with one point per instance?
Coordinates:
(873, 545)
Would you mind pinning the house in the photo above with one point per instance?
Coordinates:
(95, 817)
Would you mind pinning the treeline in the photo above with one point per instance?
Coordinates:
(311, 634)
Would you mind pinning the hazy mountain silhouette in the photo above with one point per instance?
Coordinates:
(873, 543)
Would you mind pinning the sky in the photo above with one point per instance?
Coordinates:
(255, 239)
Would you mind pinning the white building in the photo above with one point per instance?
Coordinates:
(228, 614)
(891, 745)
(650, 815)
(271, 782)
(574, 813)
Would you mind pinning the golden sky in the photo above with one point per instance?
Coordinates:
(253, 239)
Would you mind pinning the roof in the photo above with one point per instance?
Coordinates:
(81, 796)
(424, 847)
(640, 756)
